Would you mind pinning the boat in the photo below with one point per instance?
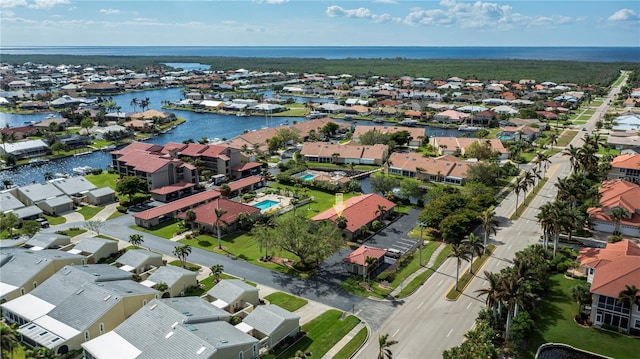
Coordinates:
(51, 116)
(61, 175)
(242, 114)
(348, 117)
(81, 171)
(409, 122)
(82, 154)
(199, 110)
(467, 128)
(315, 114)
(108, 148)
(378, 120)
(38, 161)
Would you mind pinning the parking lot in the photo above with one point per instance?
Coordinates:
(395, 235)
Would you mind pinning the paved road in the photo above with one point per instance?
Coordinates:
(426, 324)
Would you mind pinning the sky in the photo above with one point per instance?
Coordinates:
(319, 23)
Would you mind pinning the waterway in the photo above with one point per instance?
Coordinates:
(196, 126)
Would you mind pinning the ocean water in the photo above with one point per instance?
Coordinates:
(587, 54)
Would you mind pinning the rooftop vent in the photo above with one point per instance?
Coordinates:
(153, 307)
(201, 350)
(168, 335)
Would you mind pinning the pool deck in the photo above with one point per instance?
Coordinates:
(283, 201)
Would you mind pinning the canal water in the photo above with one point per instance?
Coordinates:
(197, 125)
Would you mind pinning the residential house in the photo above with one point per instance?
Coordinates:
(25, 149)
(459, 145)
(626, 167)
(178, 280)
(359, 211)
(356, 261)
(175, 328)
(9, 203)
(244, 185)
(325, 152)
(95, 249)
(138, 261)
(620, 196)
(444, 169)
(206, 214)
(156, 215)
(233, 295)
(46, 196)
(270, 324)
(609, 270)
(623, 140)
(43, 240)
(75, 187)
(24, 270)
(101, 196)
(524, 133)
(451, 116)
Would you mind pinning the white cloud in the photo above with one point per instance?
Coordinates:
(624, 15)
(47, 4)
(7, 13)
(359, 13)
(109, 11)
(392, 2)
(6, 4)
(229, 22)
(276, 2)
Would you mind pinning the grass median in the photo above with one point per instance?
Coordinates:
(466, 278)
(354, 344)
(286, 301)
(422, 277)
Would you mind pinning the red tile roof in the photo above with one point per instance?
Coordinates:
(242, 183)
(206, 213)
(172, 188)
(193, 150)
(358, 211)
(247, 166)
(177, 205)
(616, 265)
(631, 161)
(618, 193)
(359, 256)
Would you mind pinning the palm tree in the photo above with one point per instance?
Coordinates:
(225, 191)
(521, 185)
(553, 139)
(219, 213)
(630, 294)
(190, 217)
(581, 294)
(384, 344)
(380, 211)
(341, 222)
(368, 263)
(216, 272)
(574, 157)
(492, 292)
(489, 224)
(9, 339)
(542, 161)
(461, 253)
(530, 180)
(136, 240)
(134, 102)
(617, 214)
(474, 246)
(182, 252)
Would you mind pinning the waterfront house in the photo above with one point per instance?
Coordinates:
(459, 145)
(46, 196)
(626, 167)
(617, 195)
(359, 211)
(25, 149)
(416, 134)
(325, 152)
(524, 133)
(445, 169)
(451, 116)
(609, 270)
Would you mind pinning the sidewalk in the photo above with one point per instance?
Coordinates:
(344, 341)
(429, 264)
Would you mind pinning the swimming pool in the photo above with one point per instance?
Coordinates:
(308, 177)
(267, 203)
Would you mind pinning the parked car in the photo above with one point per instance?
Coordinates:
(43, 222)
(393, 253)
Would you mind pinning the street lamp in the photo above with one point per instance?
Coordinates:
(422, 225)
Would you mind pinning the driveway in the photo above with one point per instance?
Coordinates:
(395, 235)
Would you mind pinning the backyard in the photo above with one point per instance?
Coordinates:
(556, 325)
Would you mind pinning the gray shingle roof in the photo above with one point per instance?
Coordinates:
(92, 245)
(268, 318)
(137, 258)
(20, 265)
(170, 275)
(103, 191)
(230, 289)
(48, 240)
(9, 202)
(73, 185)
(195, 309)
(26, 212)
(37, 192)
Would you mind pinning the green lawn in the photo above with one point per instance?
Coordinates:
(422, 277)
(104, 179)
(89, 212)
(556, 325)
(166, 230)
(114, 215)
(72, 232)
(188, 265)
(350, 348)
(566, 137)
(323, 200)
(242, 246)
(286, 301)
(54, 220)
(323, 333)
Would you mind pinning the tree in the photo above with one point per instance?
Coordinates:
(131, 185)
(489, 224)
(161, 286)
(182, 252)
(216, 272)
(630, 294)
(492, 292)
(219, 212)
(86, 123)
(481, 150)
(341, 222)
(58, 146)
(368, 263)
(475, 246)
(581, 294)
(487, 174)
(542, 161)
(330, 129)
(410, 187)
(521, 186)
(225, 191)
(380, 211)
(460, 252)
(189, 217)
(9, 221)
(383, 184)
(263, 234)
(94, 225)
(40, 353)
(383, 346)
(617, 214)
(136, 240)
(9, 340)
(134, 102)
(30, 228)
